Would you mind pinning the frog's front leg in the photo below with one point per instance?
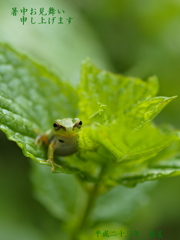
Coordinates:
(51, 149)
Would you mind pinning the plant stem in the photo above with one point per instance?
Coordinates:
(90, 204)
(92, 195)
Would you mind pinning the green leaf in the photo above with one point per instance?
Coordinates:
(148, 173)
(31, 99)
(117, 206)
(164, 163)
(118, 92)
(145, 111)
(118, 138)
(57, 199)
(126, 136)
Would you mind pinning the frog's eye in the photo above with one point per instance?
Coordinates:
(57, 126)
(77, 124)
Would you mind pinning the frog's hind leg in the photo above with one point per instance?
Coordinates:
(42, 139)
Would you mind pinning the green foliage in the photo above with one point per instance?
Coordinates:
(118, 144)
(55, 192)
(29, 100)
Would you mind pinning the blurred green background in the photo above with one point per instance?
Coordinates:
(137, 38)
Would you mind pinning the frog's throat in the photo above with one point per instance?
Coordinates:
(66, 134)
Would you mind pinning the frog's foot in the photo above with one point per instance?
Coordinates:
(50, 160)
(42, 139)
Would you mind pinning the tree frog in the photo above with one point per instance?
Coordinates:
(62, 140)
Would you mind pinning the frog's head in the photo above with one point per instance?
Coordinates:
(67, 126)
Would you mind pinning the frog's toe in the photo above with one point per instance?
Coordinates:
(50, 160)
(59, 166)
